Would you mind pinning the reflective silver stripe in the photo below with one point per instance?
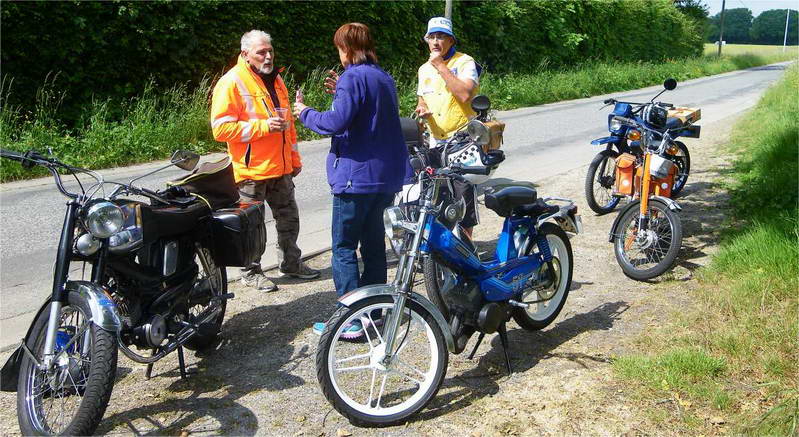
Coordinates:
(246, 132)
(294, 147)
(219, 121)
(249, 102)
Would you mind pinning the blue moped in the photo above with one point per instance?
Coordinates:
(401, 361)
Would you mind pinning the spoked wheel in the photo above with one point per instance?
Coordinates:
(361, 383)
(69, 398)
(211, 282)
(646, 253)
(557, 281)
(682, 159)
(599, 182)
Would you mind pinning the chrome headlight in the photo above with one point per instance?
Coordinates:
(87, 245)
(615, 124)
(104, 219)
(392, 218)
(478, 132)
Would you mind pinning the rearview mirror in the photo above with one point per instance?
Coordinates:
(670, 83)
(481, 103)
(185, 160)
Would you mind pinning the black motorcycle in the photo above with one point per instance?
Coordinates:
(157, 284)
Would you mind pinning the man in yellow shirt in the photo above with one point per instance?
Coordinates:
(447, 83)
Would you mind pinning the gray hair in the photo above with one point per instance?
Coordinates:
(250, 38)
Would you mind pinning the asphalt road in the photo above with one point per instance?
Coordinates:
(540, 141)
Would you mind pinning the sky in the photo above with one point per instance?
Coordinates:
(756, 6)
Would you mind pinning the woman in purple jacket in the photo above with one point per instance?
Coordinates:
(366, 164)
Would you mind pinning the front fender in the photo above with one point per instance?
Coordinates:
(356, 295)
(104, 315)
(104, 311)
(671, 204)
(605, 140)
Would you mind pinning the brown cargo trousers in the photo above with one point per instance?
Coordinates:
(278, 193)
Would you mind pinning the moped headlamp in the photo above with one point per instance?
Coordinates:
(103, 219)
(87, 245)
(392, 218)
(478, 132)
(615, 124)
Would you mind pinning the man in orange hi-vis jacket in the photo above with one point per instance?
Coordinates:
(250, 112)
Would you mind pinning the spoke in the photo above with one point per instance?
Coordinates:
(415, 381)
(382, 387)
(354, 357)
(404, 336)
(372, 388)
(369, 340)
(424, 375)
(353, 368)
(372, 322)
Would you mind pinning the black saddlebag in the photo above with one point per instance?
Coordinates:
(239, 234)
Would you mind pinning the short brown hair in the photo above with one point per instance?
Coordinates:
(356, 40)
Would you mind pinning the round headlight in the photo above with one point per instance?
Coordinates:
(104, 219)
(391, 219)
(478, 132)
(615, 124)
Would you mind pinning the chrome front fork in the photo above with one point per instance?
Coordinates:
(50, 335)
(403, 283)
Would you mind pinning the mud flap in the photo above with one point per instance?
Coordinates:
(10, 372)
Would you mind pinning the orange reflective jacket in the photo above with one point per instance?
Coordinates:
(239, 109)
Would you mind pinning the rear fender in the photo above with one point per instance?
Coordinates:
(356, 295)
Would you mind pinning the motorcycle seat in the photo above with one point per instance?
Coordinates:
(160, 221)
(505, 200)
(535, 209)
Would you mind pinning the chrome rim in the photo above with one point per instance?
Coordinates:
(210, 272)
(645, 249)
(53, 397)
(603, 182)
(560, 263)
(367, 384)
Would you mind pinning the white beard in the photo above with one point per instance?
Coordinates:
(266, 69)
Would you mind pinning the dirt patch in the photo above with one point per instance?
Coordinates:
(261, 379)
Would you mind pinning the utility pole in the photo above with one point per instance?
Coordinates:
(785, 39)
(448, 9)
(721, 26)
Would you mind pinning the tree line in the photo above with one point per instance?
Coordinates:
(740, 27)
(110, 51)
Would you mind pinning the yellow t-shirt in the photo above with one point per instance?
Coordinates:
(448, 114)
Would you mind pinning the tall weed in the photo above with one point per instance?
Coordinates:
(154, 124)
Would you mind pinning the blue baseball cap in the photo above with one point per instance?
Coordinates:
(440, 24)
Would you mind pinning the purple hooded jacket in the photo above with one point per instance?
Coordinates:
(367, 151)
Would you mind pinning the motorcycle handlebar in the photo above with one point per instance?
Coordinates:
(10, 154)
(478, 169)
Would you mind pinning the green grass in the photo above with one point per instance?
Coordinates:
(739, 49)
(152, 126)
(737, 351)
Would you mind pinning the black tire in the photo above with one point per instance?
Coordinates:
(208, 337)
(99, 379)
(556, 235)
(599, 182)
(683, 162)
(434, 282)
(359, 418)
(664, 224)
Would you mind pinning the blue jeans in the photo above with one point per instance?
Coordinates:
(358, 220)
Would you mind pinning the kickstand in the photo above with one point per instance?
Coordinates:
(182, 363)
(149, 372)
(503, 336)
(476, 345)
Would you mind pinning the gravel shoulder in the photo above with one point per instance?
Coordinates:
(262, 379)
